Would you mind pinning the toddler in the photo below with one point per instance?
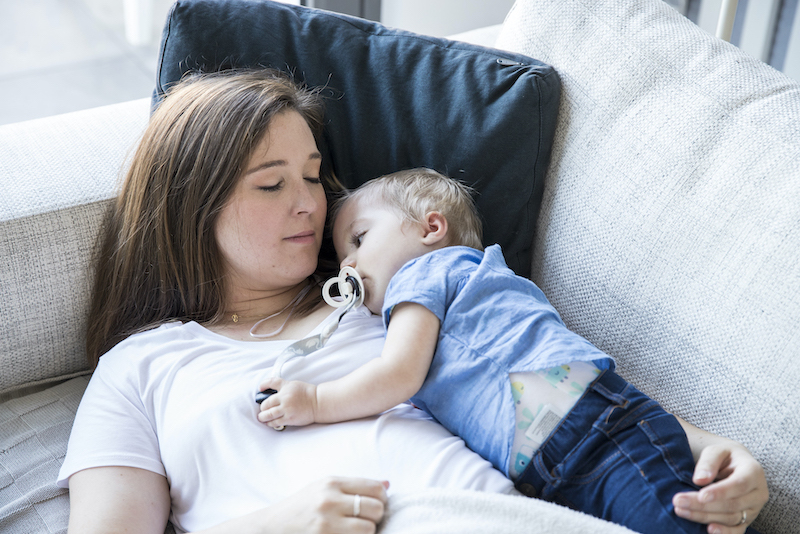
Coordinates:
(483, 351)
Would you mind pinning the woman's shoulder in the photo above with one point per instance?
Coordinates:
(156, 333)
(147, 343)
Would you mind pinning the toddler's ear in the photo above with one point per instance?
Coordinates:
(435, 228)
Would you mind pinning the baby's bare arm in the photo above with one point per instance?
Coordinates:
(373, 388)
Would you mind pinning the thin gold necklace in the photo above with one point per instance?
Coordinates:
(290, 306)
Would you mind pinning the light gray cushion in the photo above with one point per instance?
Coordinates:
(669, 230)
(34, 431)
(56, 176)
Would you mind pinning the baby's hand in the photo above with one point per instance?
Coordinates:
(294, 404)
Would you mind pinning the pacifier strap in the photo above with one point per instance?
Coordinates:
(352, 289)
(307, 345)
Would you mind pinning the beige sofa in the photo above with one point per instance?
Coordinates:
(669, 236)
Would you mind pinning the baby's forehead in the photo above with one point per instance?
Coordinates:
(345, 211)
(352, 206)
(343, 220)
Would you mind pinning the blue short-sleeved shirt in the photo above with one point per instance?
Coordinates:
(493, 323)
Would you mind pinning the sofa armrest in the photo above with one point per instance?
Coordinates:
(57, 175)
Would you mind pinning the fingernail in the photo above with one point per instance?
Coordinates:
(703, 475)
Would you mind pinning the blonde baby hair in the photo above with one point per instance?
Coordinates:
(415, 192)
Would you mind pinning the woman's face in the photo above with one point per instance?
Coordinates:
(270, 231)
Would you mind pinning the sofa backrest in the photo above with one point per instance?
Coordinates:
(669, 232)
(56, 176)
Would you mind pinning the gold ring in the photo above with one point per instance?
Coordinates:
(744, 518)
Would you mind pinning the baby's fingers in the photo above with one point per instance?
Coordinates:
(270, 414)
(267, 391)
(272, 383)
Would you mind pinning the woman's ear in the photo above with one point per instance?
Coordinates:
(435, 228)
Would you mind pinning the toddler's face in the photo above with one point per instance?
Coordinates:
(375, 241)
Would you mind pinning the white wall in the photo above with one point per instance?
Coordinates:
(443, 17)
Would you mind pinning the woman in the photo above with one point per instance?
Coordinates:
(206, 272)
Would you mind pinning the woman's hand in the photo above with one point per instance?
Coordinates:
(734, 487)
(294, 404)
(335, 505)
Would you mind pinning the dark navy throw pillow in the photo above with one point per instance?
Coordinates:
(396, 100)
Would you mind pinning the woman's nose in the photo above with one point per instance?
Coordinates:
(305, 201)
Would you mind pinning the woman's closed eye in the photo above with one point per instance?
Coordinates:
(272, 188)
(277, 187)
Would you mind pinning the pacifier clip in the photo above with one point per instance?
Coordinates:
(351, 288)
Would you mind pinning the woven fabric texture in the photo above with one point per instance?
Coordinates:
(34, 431)
(57, 176)
(668, 234)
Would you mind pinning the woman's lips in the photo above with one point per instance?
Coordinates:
(303, 237)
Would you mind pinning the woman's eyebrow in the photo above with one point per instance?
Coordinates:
(267, 165)
(279, 163)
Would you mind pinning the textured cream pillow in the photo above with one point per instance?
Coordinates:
(669, 233)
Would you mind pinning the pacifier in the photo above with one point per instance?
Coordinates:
(351, 289)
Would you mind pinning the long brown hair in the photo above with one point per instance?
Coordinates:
(158, 259)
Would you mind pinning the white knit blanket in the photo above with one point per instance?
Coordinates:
(441, 511)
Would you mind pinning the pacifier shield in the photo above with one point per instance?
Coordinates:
(351, 288)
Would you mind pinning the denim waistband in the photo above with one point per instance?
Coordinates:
(609, 404)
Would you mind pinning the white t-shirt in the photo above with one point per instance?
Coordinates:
(178, 400)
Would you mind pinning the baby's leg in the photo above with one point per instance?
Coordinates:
(619, 456)
(631, 478)
(542, 399)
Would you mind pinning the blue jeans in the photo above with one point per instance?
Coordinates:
(619, 456)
